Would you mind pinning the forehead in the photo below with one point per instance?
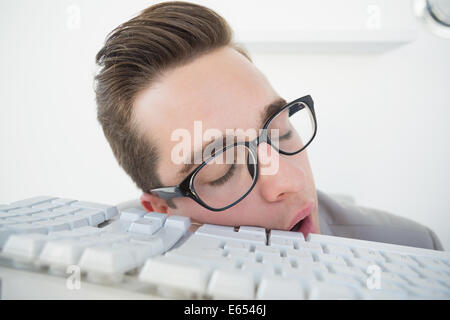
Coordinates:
(222, 89)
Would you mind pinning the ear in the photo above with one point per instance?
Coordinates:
(153, 203)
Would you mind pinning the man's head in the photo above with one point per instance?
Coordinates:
(173, 65)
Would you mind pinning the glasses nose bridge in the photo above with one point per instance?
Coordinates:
(253, 146)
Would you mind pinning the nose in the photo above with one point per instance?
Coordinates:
(278, 175)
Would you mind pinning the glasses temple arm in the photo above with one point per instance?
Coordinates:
(168, 192)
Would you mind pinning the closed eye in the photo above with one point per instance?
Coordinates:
(225, 177)
(286, 135)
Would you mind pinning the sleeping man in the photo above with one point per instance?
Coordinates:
(203, 134)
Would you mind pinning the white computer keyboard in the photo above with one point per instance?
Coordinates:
(47, 233)
(154, 255)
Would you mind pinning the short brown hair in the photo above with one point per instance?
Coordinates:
(135, 54)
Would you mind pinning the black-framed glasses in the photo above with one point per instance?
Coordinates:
(229, 174)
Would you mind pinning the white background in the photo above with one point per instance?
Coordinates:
(383, 118)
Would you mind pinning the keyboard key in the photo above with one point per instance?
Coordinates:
(261, 250)
(283, 243)
(302, 275)
(318, 268)
(66, 210)
(33, 201)
(152, 246)
(6, 215)
(7, 207)
(109, 260)
(157, 217)
(229, 234)
(95, 217)
(24, 211)
(400, 269)
(79, 232)
(235, 246)
(361, 263)
(199, 242)
(231, 284)
(26, 219)
(4, 223)
(47, 214)
(281, 234)
(63, 201)
(348, 271)
(311, 247)
(109, 211)
(132, 214)
(65, 252)
(115, 236)
(207, 229)
(184, 275)
(54, 225)
(299, 255)
(73, 221)
(46, 206)
(341, 279)
(27, 228)
(253, 230)
(4, 235)
(392, 281)
(144, 226)
(400, 259)
(206, 254)
(24, 246)
(174, 228)
(331, 259)
(369, 255)
(215, 262)
(241, 256)
(339, 250)
(274, 260)
(141, 251)
(277, 288)
(257, 269)
(178, 222)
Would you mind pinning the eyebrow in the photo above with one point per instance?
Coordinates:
(270, 110)
(265, 114)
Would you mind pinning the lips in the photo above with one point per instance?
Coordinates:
(303, 222)
(298, 225)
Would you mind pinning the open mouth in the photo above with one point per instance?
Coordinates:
(303, 221)
(298, 225)
(305, 225)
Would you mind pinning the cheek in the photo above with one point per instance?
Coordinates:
(190, 208)
(244, 213)
(307, 167)
(301, 161)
